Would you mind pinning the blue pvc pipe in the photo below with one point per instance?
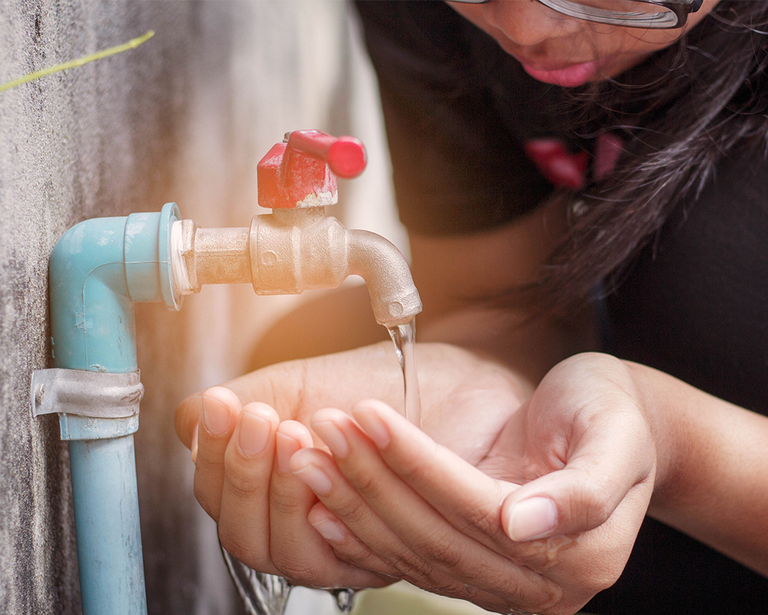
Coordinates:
(98, 269)
(107, 525)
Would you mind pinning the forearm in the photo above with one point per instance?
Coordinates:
(712, 479)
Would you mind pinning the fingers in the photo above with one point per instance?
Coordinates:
(289, 503)
(536, 537)
(244, 518)
(388, 556)
(466, 497)
(319, 472)
(348, 547)
(412, 536)
(297, 550)
(242, 480)
(186, 418)
(217, 415)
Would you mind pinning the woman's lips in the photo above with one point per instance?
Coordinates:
(569, 77)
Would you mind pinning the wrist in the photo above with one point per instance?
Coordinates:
(666, 403)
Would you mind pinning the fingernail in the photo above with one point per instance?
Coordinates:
(373, 425)
(254, 433)
(330, 530)
(286, 447)
(315, 479)
(333, 437)
(215, 416)
(531, 519)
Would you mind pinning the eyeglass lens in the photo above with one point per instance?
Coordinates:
(619, 6)
(619, 12)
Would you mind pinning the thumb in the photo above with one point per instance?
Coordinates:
(562, 503)
(602, 473)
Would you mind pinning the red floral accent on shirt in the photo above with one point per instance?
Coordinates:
(564, 169)
(557, 164)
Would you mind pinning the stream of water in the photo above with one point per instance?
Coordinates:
(267, 594)
(404, 338)
(261, 593)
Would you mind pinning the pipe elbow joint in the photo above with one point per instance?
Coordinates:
(98, 269)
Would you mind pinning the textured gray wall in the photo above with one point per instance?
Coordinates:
(185, 117)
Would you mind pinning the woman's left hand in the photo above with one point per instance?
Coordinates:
(545, 521)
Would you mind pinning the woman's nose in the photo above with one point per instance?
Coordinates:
(528, 22)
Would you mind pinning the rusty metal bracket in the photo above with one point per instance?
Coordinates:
(82, 393)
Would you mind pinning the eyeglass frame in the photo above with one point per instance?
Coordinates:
(679, 8)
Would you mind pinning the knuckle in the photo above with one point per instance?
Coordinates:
(362, 481)
(209, 456)
(449, 587)
(479, 517)
(243, 481)
(553, 595)
(301, 572)
(608, 580)
(540, 598)
(353, 511)
(441, 549)
(414, 569)
(241, 487)
(600, 576)
(593, 499)
(285, 502)
(363, 558)
(598, 584)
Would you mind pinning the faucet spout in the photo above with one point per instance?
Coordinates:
(394, 297)
(293, 250)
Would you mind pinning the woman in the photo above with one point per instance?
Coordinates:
(543, 160)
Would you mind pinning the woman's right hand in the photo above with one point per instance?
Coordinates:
(242, 435)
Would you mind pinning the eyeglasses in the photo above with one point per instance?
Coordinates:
(659, 14)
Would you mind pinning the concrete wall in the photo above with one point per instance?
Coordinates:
(185, 117)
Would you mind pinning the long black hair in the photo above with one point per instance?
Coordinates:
(711, 96)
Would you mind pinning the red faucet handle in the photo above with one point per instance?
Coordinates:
(345, 155)
(301, 171)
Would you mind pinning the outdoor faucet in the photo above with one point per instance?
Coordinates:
(297, 247)
(101, 267)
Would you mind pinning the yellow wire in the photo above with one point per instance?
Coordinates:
(132, 44)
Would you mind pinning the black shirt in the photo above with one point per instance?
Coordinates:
(460, 116)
